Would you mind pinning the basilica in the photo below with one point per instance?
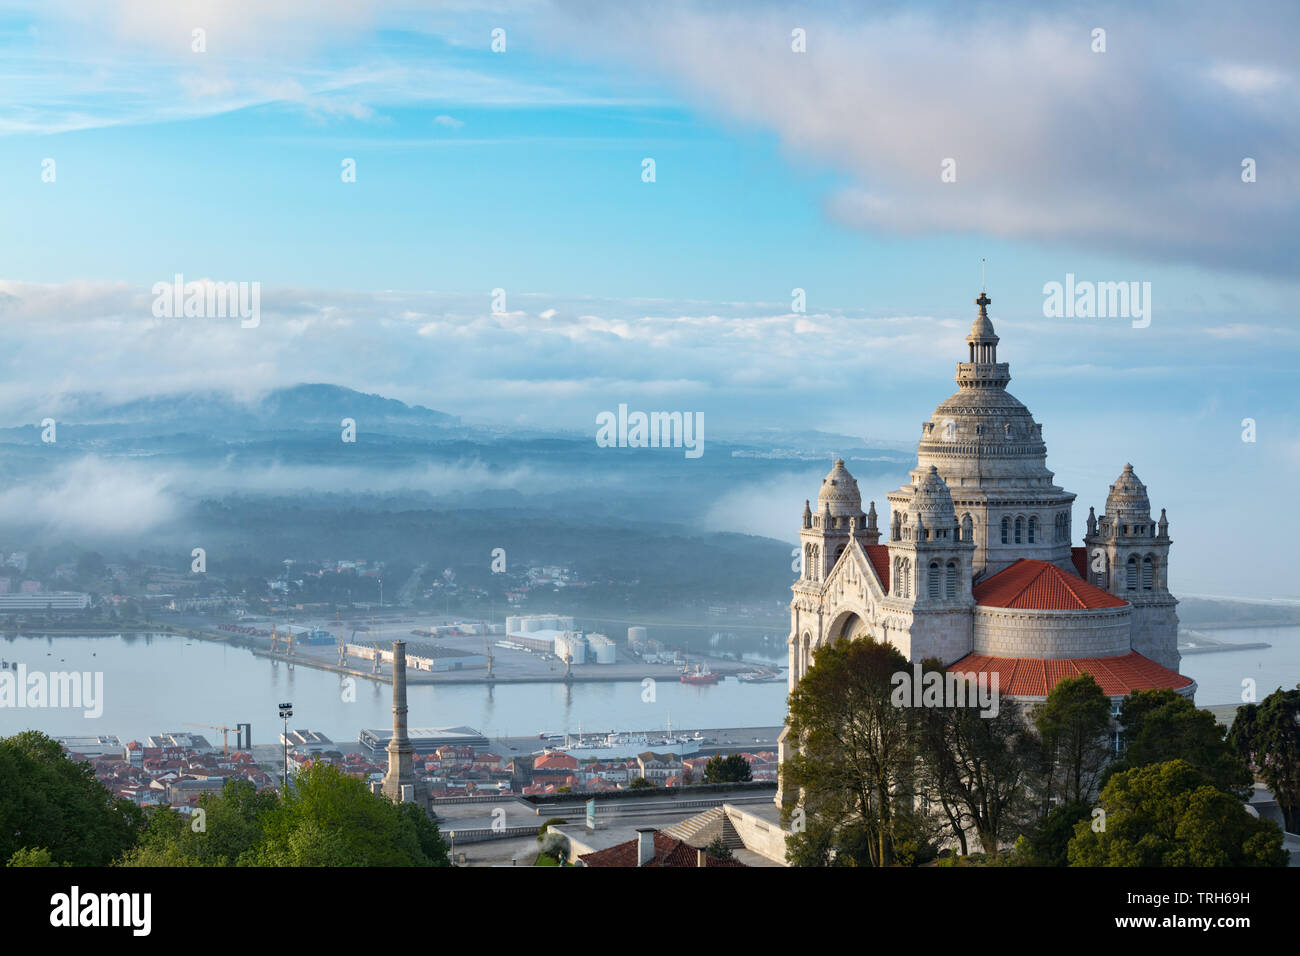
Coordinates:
(978, 566)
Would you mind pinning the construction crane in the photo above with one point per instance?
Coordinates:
(225, 734)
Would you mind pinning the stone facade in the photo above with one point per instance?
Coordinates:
(980, 499)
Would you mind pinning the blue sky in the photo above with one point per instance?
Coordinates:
(774, 170)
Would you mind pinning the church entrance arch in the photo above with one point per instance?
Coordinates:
(847, 624)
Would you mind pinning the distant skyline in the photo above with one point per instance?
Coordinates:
(774, 171)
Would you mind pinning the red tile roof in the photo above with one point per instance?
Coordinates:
(1041, 585)
(668, 852)
(879, 555)
(1036, 676)
(555, 761)
(1080, 558)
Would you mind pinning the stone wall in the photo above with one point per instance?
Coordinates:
(762, 837)
(1155, 633)
(1011, 632)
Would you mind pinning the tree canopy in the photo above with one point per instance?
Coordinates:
(856, 756)
(1268, 736)
(54, 804)
(1160, 725)
(1169, 814)
(733, 768)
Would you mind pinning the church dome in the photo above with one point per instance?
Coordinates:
(1128, 497)
(932, 500)
(983, 436)
(840, 491)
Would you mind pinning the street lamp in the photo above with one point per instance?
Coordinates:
(286, 711)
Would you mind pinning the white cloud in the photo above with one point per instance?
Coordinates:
(1135, 150)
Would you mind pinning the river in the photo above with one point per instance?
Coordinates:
(159, 683)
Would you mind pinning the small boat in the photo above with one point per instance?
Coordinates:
(701, 675)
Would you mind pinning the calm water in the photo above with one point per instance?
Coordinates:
(1219, 676)
(157, 683)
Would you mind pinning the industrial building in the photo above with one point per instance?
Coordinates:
(558, 635)
(44, 601)
(425, 740)
(518, 626)
(424, 656)
(92, 746)
(307, 741)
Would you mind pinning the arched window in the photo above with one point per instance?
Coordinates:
(1033, 528)
(967, 528)
(905, 581)
(950, 591)
(1148, 573)
(1132, 578)
(1100, 566)
(1006, 529)
(1020, 525)
(932, 580)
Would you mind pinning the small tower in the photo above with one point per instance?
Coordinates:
(825, 534)
(1128, 555)
(400, 782)
(930, 571)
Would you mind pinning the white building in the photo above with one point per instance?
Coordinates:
(93, 746)
(979, 568)
(44, 600)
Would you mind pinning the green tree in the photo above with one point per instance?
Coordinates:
(1074, 724)
(1169, 814)
(427, 835)
(640, 783)
(718, 849)
(331, 819)
(1268, 736)
(1050, 843)
(855, 758)
(732, 768)
(38, 856)
(976, 763)
(1160, 725)
(229, 826)
(52, 803)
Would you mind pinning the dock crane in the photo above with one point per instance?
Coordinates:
(343, 647)
(287, 640)
(487, 651)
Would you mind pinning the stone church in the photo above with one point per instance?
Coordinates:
(978, 567)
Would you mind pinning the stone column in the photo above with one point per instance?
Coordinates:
(401, 765)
